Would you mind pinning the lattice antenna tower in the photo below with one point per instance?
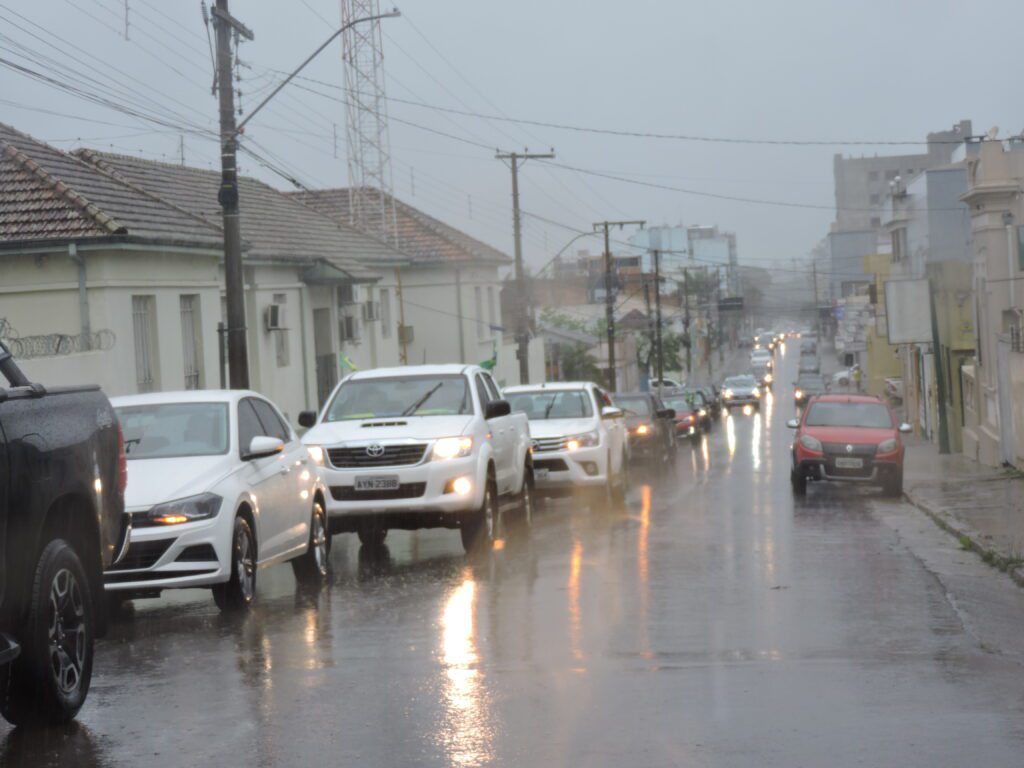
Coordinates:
(371, 204)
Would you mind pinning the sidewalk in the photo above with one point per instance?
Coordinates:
(982, 506)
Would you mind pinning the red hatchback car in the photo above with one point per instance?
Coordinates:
(848, 438)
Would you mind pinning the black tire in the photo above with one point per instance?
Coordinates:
(525, 506)
(619, 489)
(894, 486)
(239, 591)
(372, 535)
(479, 529)
(48, 683)
(311, 567)
(799, 482)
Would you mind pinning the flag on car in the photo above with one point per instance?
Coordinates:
(346, 362)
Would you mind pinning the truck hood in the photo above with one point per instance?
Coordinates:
(560, 427)
(153, 481)
(402, 427)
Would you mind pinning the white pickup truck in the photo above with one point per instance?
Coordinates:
(423, 446)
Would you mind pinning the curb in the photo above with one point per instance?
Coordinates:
(971, 539)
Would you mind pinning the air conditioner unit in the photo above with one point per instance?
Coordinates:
(371, 311)
(274, 317)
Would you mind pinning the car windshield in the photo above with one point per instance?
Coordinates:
(559, 404)
(811, 382)
(174, 430)
(840, 414)
(641, 406)
(400, 397)
(740, 381)
(680, 404)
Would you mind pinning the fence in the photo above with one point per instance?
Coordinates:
(54, 344)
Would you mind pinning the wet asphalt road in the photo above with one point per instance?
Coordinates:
(712, 622)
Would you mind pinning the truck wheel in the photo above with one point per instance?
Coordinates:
(478, 529)
(239, 591)
(49, 682)
(311, 567)
(618, 490)
(524, 507)
(372, 535)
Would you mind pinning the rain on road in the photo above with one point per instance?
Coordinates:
(710, 622)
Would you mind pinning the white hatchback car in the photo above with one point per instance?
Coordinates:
(579, 437)
(218, 486)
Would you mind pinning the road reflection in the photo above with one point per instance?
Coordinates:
(755, 441)
(730, 434)
(573, 587)
(468, 735)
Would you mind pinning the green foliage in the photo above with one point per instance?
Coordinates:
(671, 352)
(557, 319)
(577, 364)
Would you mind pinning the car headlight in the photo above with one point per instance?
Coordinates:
(810, 443)
(453, 447)
(586, 440)
(887, 446)
(702, 413)
(799, 394)
(643, 429)
(727, 394)
(768, 378)
(757, 393)
(316, 454)
(187, 510)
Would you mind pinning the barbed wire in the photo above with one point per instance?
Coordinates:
(55, 344)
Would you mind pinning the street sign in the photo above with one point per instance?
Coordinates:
(731, 304)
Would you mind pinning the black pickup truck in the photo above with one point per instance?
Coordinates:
(62, 478)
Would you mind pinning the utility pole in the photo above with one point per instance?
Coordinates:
(238, 356)
(609, 296)
(657, 314)
(814, 274)
(650, 324)
(522, 326)
(686, 321)
(940, 378)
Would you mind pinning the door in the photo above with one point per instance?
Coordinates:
(294, 509)
(1007, 440)
(268, 482)
(323, 351)
(500, 437)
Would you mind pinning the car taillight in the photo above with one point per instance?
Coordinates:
(122, 463)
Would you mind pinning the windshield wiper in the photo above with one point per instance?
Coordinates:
(419, 403)
(547, 409)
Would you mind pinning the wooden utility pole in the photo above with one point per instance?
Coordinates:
(686, 321)
(609, 294)
(234, 288)
(403, 340)
(657, 322)
(522, 324)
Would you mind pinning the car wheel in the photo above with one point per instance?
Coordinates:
(238, 592)
(894, 486)
(799, 482)
(524, 508)
(311, 567)
(480, 528)
(48, 683)
(372, 535)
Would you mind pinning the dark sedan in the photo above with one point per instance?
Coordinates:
(651, 426)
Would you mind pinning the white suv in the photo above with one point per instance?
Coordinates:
(579, 437)
(423, 446)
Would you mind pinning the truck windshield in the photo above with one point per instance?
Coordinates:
(399, 397)
(173, 430)
(563, 404)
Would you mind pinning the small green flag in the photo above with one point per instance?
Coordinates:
(346, 362)
(488, 365)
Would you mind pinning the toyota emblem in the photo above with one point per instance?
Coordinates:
(375, 450)
(849, 449)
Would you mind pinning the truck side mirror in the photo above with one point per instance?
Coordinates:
(497, 408)
(307, 419)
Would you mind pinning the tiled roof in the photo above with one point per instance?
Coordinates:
(274, 225)
(421, 237)
(49, 195)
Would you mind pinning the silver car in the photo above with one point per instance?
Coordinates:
(740, 391)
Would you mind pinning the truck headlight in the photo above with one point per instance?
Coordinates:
(316, 454)
(187, 510)
(586, 440)
(453, 447)
(643, 429)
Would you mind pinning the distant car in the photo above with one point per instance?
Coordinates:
(579, 437)
(765, 341)
(651, 426)
(701, 404)
(666, 384)
(842, 378)
(219, 486)
(687, 418)
(808, 385)
(762, 371)
(740, 391)
(713, 396)
(809, 363)
(848, 438)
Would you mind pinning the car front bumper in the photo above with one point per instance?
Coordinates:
(583, 467)
(194, 554)
(873, 472)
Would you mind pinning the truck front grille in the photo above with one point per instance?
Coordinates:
(404, 491)
(542, 444)
(377, 455)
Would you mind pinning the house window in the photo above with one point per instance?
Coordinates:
(144, 326)
(478, 305)
(191, 341)
(385, 313)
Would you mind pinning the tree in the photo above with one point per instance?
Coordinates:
(671, 348)
(576, 363)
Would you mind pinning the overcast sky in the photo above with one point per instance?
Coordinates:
(803, 69)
